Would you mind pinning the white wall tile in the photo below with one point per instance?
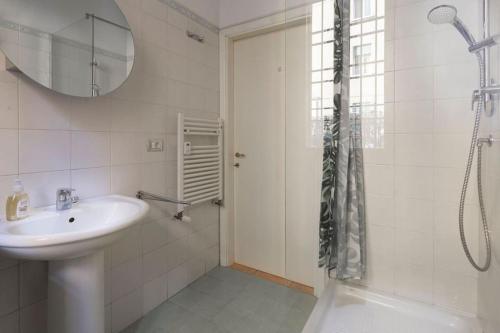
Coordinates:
(34, 282)
(380, 155)
(415, 282)
(413, 149)
(154, 235)
(153, 117)
(455, 51)
(9, 107)
(154, 30)
(154, 178)
(91, 182)
(90, 149)
(414, 117)
(91, 114)
(448, 184)
(125, 115)
(407, 241)
(41, 150)
(455, 291)
(154, 8)
(380, 210)
(42, 109)
(450, 150)
(411, 19)
(379, 180)
(154, 264)
(415, 51)
(381, 245)
(154, 293)
(126, 179)
(176, 255)
(453, 116)
(177, 280)
(212, 258)
(389, 87)
(414, 214)
(125, 278)
(127, 248)
(9, 284)
(413, 182)
(380, 251)
(10, 323)
(8, 151)
(176, 40)
(455, 80)
(126, 310)
(414, 84)
(195, 269)
(34, 318)
(126, 148)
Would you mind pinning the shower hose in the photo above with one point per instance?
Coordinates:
(474, 143)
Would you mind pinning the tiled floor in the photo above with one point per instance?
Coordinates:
(229, 301)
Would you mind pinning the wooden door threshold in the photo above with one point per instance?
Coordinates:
(274, 278)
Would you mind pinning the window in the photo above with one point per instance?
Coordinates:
(322, 63)
(367, 69)
(361, 55)
(362, 9)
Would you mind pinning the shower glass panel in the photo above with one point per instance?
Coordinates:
(91, 55)
(72, 57)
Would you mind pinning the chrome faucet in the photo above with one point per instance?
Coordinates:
(65, 199)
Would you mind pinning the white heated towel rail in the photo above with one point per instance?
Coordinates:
(199, 160)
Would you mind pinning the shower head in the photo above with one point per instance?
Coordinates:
(444, 14)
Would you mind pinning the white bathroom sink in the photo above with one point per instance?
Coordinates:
(53, 235)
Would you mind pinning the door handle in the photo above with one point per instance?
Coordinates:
(239, 155)
(236, 165)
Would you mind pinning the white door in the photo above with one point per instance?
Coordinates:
(259, 135)
(277, 183)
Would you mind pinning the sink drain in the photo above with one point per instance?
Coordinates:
(71, 220)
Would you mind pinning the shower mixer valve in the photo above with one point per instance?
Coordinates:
(490, 93)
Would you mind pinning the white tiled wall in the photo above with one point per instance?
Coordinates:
(488, 288)
(98, 146)
(413, 182)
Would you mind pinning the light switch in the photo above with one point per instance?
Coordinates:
(155, 145)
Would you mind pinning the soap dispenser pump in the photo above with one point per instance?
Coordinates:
(17, 203)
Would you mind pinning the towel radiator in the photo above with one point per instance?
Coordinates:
(199, 160)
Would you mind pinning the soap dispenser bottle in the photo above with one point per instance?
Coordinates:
(17, 203)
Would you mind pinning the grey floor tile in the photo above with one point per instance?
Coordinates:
(198, 324)
(228, 301)
(231, 276)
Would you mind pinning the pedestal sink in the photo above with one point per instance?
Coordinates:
(73, 242)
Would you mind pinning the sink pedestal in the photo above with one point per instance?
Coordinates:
(76, 295)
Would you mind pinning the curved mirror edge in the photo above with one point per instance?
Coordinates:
(87, 55)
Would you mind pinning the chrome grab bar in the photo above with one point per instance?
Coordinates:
(150, 196)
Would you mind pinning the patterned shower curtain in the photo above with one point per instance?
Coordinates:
(342, 224)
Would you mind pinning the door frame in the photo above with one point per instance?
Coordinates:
(227, 37)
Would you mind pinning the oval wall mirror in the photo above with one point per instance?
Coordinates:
(78, 48)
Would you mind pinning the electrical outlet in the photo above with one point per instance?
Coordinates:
(155, 145)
